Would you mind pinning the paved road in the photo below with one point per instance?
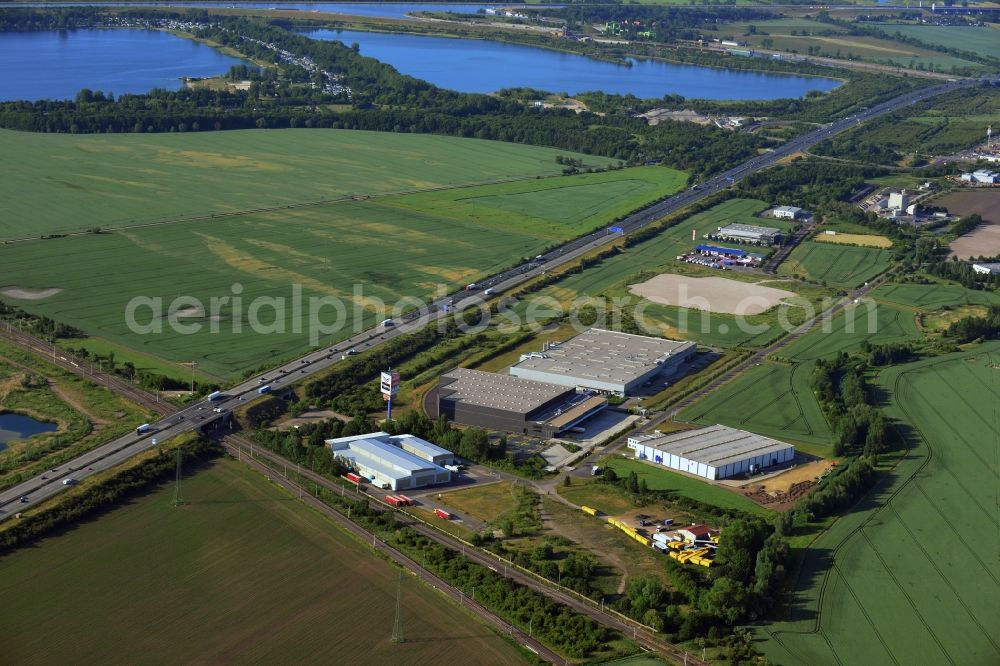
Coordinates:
(196, 416)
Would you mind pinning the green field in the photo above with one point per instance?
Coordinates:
(386, 247)
(835, 265)
(660, 478)
(933, 296)
(776, 399)
(658, 254)
(911, 576)
(981, 40)
(242, 573)
(118, 180)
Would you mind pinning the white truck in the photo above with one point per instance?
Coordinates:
(145, 427)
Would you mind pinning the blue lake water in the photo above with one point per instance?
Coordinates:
(470, 65)
(379, 9)
(57, 64)
(17, 426)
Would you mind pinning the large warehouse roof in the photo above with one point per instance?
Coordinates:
(489, 389)
(603, 356)
(715, 446)
(377, 452)
(737, 229)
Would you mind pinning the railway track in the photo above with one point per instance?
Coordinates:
(639, 633)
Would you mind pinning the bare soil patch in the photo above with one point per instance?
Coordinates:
(713, 294)
(28, 294)
(985, 240)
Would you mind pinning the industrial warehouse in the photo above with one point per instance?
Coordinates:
(502, 402)
(604, 361)
(747, 233)
(715, 452)
(399, 462)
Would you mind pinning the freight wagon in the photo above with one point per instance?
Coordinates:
(441, 513)
(588, 510)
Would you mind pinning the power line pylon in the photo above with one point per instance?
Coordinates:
(178, 499)
(397, 629)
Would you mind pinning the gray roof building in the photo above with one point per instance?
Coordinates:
(605, 361)
(399, 462)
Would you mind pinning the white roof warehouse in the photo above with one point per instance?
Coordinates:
(399, 461)
(715, 452)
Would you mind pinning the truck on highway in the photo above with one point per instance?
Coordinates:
(266, 388)
(214, 395)
(145, 427)
(386, 323)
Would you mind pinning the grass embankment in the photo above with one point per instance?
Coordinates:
(241, 572)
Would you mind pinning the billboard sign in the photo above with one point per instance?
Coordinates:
(390, 384)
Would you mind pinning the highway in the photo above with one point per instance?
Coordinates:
(196, 416)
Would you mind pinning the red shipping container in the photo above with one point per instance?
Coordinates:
(441, 513)
(405, 500)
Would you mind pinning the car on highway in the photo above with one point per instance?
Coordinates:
(23, 499)
(69, 482)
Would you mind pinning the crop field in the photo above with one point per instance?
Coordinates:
(911, 575)
(866, 240)
(117, 180)
(358, 252)
(776, 399)
(834, 42)
(981, 40)
(658, 478)
(837, 265)
(251, 575)
(931, 297)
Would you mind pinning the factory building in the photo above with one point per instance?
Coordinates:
(715, 452)
(787, 212)
(747, 233)
(604, 361)
(399, 462)
(511, 404)
(982, 176)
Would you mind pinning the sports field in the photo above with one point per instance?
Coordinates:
(118, 180)
(836, 265)
(911, 575)
(383, 248)
(242, 573)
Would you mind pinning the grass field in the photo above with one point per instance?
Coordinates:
(242, 573)
(386, 247)
(123, 179)
(776, 399)
(911, 575)
(660, 478)
(933, 296)
(659, 254)
(836, 265)
(866, 240)
(981, 40)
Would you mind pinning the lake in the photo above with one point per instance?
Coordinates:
(18, 426)
(470, 65)
(56, 64)
(380, 9)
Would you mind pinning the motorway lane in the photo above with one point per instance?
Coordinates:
(197, 416)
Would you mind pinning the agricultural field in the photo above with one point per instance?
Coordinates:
(930, 297)
(864, 240)
(920, 549)
(834, 42)
(776, 399)
(660, 478)
(984, 240)
(359, 253)
(843, 266)
(252, 575)
(117, 180)
(981, 40)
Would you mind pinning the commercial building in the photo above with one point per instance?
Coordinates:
(987, 268)
(604, 361)
(503, 402)
(399, 462)
(719, 251)
(715, 452)
(787, 212)
(747, 233)
(982, 176)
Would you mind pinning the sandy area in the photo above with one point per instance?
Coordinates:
(713, 294)
(807, 472)
(28, 294)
